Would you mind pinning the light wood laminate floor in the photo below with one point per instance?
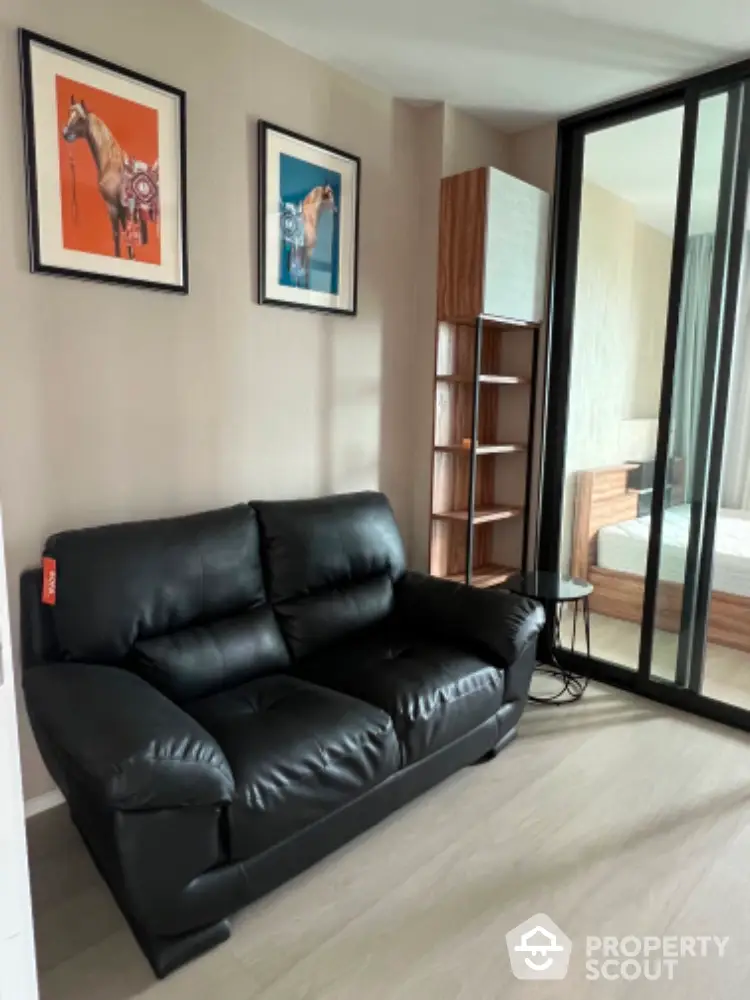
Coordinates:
(727, 671)
(614, 816)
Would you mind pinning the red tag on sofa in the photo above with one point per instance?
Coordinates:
(49, 580)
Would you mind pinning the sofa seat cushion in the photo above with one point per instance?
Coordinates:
(298, 752)
(434, 693)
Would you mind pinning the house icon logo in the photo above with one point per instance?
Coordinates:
(538, 949)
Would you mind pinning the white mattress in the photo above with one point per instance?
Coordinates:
(624, 547)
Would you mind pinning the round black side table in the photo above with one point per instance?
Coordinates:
(553, 591)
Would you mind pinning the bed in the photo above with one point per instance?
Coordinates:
(610, 547)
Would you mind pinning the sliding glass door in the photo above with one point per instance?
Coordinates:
(646, 483)
(625, 249)
(694, 401)
(726, 667)
(682, 505)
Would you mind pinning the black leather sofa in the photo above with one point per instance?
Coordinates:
(224, 698)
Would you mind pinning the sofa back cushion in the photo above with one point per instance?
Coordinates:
(119, 584)
(330, 563)
(203, 659)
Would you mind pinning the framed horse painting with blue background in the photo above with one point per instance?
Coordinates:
(105, 160)
(308, 220)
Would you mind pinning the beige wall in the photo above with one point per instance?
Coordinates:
(622, 284)
(430, 151)
(121, 403)
(652, 264)
(531, 156)
(469, 142)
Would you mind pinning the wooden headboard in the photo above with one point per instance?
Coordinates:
(602, 498)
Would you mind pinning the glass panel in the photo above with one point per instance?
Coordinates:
(726, 675)
(694, 374)
(630, 177)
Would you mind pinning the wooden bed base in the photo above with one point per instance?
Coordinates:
(603, 498)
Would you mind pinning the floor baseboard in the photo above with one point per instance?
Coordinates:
(41, 803)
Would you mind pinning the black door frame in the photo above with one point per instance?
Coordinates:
(685, 693)
(709, 449)
(686, 674)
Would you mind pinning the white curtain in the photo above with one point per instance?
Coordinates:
(735, 487)
(690, 361)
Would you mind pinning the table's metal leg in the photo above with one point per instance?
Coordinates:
(546, 642)
(587, 624)
(549, 638)
(573, 686)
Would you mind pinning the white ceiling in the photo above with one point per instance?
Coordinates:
(515, 62)
(639, 161)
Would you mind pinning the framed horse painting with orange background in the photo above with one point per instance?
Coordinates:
(106, 169)
(308, 223)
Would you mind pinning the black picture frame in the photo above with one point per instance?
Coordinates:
(264, 298)
(26, 40)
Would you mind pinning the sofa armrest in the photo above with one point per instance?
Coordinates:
(112, 733)
(494, 621)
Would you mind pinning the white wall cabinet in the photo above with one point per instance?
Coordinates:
(515, 258)
(492, 253)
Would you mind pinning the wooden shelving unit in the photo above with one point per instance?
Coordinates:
(481, 491)
(485, 399)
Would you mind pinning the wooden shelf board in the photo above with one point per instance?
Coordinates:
(499, 322)
(484, 379)
(482, 515)
(490, 575)
(483, 449)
